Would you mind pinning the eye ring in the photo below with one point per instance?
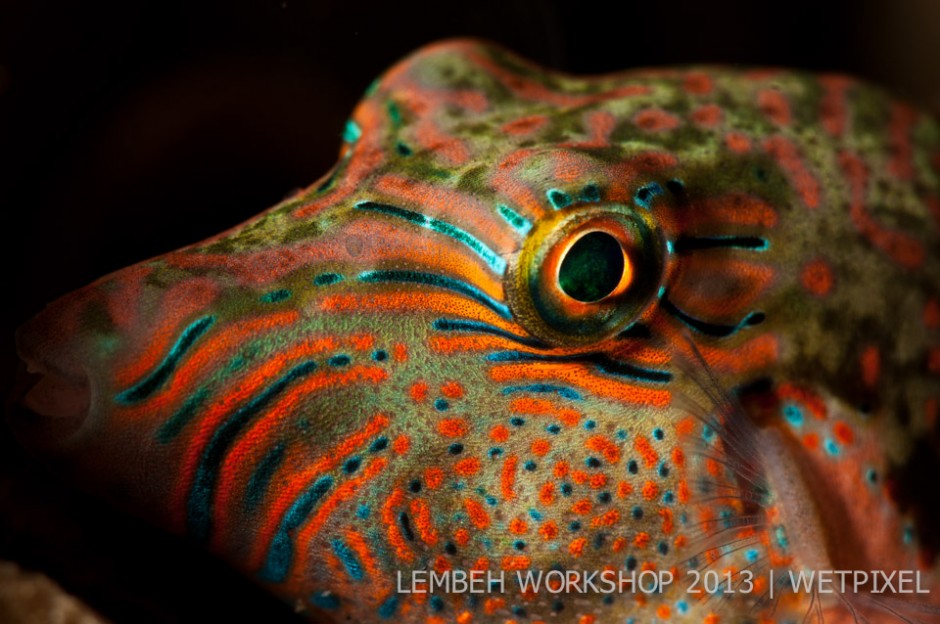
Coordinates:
(585, 274)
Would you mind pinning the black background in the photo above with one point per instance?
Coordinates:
(128, 129)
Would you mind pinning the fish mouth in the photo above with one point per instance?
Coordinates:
(48, 403)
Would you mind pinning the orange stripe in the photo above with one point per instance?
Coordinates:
(395, 538)
(259, 436)
(343, 493)
(580, 375)
(508, 478)
(215, 349)
(301, 480)
(421, 301)
(421, 513)
(358, 543)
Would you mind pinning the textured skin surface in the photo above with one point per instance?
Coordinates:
(382, 373)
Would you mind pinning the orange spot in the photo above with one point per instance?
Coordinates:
(467, 466)
(576, 547)
(708, 115)
(579, 476)
(711, 618)
(786, 153)
(811, 441)
(685, 426)
(698, 84)
(547, 493)
(524, 125)
(619, 544)
(871, 365)
(832, 108)
(932, 314)
(492, 605)
(508, 477)
(774, 104)
(421, 516)
(433, 477)
(641, 540)
(477, 514)
(624, 489)
(561, 469)
(499, 433)
(607, 519)
(540, 447)
(678, 457)
(933, 360)
(453, 427)
(418, 391)
(738, 142)
(518, 526)
(582, 507)
(650, 490)
(587, 619)
(713, 468)
(608, 449)
(646, 450)
(843, 432)
(684, 493)
(662, 612)
(401, 444)
(400, 352)
(598, 481)
(464, 617)
(462, 537)
(656, 119)
(569, 417)
(668, 523)
(361, 342)
(515, 562)
(817, 277)
(549, 530)
(452, 390)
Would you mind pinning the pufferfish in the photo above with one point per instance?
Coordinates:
(682, 322)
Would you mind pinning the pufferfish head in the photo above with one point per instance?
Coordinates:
(664, 320)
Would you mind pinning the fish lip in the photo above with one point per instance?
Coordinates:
(47, 405)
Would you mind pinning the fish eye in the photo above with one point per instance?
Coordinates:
(586, 273)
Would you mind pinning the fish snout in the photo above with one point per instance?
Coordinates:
(53, 390)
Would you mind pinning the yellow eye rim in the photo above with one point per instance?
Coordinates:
(534, 290)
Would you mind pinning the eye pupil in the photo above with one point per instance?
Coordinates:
(592, 268)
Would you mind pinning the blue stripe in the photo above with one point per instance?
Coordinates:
(561, 391)
(433, 279)
(199, 503)
(261, 477)
(602, 362)
(712, 329)
(492, 259)
(693, 243)
(350, 561)
(152, 382)
(513, 218)
(181, 417)
(281, 553)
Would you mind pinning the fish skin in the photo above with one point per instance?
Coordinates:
(381, 374)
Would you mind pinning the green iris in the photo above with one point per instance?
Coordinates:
(592, 268)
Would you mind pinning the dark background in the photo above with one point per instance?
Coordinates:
(128, 129)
